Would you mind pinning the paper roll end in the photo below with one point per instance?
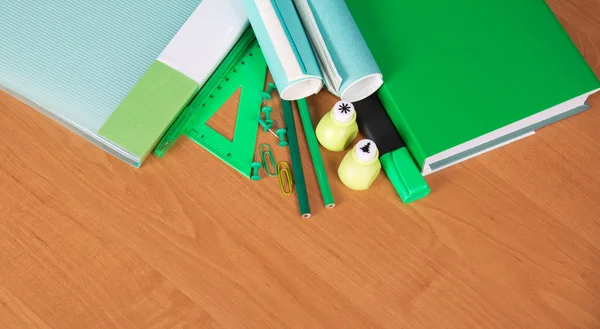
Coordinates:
(302, 89)
(362, 88)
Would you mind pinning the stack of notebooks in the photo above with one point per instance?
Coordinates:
(118, 73)
(459, 78)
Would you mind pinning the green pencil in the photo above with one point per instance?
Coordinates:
(288, 118)
(315, 153)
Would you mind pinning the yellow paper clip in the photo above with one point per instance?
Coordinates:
(266, 152)
(284, 169)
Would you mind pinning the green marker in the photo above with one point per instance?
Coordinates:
(397, 162)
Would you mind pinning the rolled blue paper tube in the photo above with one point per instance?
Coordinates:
(286, 47)
(349, 69)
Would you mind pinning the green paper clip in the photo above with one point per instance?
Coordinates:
(268, 153)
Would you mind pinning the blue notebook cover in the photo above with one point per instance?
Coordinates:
(77, 60)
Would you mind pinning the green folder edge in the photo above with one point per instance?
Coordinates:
(149, 109)
(503, 139)
(417, 152)
(97, 140)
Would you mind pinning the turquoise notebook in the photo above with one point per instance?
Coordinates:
(77, 61)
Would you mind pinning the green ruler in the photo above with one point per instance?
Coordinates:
(245, 67)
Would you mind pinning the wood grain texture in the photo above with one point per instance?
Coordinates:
(510, 239)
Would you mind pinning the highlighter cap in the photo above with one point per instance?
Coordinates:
(402, 171)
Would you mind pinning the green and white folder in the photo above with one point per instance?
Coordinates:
(467, 76)
(118, 73)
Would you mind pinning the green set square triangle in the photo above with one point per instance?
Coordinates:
(244, 68)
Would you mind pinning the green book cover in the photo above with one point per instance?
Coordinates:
(465, 76)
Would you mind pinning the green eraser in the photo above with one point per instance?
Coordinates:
(402, 171)
(149, 109)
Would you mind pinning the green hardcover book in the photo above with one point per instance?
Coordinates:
(466, 76)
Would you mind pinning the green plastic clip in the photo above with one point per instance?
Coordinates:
(281, 134)
(256, 170)
(269, 124)
(268, 153)
(263, 123)
(267, 111)
(267, 94)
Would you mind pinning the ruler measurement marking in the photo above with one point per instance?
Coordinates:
(201, 138)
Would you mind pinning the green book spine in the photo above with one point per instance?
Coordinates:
(401, 124)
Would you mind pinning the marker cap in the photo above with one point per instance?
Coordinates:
(402, 171)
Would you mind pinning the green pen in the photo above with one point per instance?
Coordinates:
(315, 153)
(300, 183)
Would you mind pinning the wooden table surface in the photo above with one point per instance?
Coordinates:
(510, 239)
